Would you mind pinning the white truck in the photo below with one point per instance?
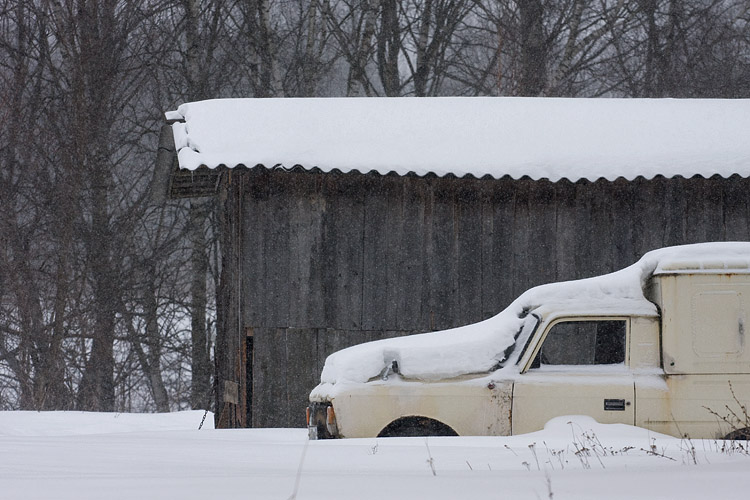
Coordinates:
(660, 344)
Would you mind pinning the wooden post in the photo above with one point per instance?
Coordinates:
(230, 383)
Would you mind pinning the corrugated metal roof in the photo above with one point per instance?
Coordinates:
(497, 136)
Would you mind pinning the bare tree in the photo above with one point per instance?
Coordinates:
(683, 49)
(30, 342)
(352, 24)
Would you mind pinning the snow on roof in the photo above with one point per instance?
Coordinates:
(480, 347)
(548, 138)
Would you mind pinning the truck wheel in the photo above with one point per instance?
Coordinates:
(739, 435)
(416, 426)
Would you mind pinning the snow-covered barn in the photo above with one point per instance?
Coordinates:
(348, 220)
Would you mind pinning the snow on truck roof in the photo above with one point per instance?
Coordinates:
(480, 347)
(552, 138)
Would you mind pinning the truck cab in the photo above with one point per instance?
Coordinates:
(660, 344)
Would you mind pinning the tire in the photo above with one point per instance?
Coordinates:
(739, 435)
(416, 427)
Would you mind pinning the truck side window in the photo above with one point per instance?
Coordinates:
(583, 343)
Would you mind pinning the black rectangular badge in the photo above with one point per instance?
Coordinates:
(614, 405)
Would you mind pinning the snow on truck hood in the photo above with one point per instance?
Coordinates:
(480, 347)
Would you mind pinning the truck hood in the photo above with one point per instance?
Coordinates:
(484, 346)
(429, 356)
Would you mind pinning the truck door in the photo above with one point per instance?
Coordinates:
(579, 368)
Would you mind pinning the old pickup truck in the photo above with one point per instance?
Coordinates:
(660, 344)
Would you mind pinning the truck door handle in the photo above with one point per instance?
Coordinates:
(614, 405)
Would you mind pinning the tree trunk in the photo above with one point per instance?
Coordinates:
(97, 390)
(388, 48)
(310, 59)
(423, 61)
(156, 382)
(358, 81)
(269, 83)
(201, 364)
(533, 49)
(648, 7)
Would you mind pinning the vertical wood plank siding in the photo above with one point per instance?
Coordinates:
(332, 260)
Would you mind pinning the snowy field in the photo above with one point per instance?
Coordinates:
(70, 455)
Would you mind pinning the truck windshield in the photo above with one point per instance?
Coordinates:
(522, 339)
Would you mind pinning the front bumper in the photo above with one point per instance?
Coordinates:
(321, 421)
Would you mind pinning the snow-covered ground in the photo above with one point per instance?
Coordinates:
(74, 455)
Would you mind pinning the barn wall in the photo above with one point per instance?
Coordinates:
(331, 260)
